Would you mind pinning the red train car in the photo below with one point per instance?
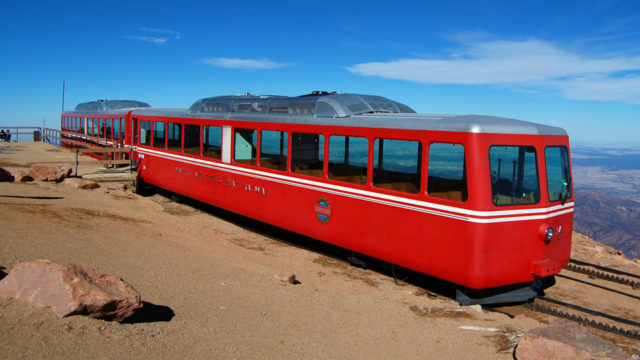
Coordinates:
(98, 123)
(482, 202)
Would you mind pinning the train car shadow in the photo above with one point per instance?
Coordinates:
(149, 313)
(2, 272)
(401, 276)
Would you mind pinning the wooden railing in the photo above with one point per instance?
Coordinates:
(110, 152)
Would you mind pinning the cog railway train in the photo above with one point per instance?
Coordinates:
(483, 202)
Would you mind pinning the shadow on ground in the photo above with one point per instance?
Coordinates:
(401, 276)
(2, 272)
(149, 313)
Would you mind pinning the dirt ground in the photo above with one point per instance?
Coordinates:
(208, 279)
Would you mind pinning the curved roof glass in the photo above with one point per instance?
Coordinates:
(319, 104)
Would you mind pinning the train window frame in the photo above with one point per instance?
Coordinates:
(211, 150)
(302, 165)
(174, 141)
(245, 151)
(442, 182)
(341, 147)
(279, 141)
(498, 196)
(563, 180)
(188, 144)
(381, 174)
(156, 131)
(145, 137)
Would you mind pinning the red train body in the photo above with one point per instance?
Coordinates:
(482, 202)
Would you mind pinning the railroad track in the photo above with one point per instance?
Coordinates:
(613, 324)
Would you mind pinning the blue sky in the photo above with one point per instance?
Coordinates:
(573, 64)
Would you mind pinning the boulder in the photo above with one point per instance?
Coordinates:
(5, 175)
(565, 340)
(81, 184)
(71, 289)
(21, 176)
(49, 173)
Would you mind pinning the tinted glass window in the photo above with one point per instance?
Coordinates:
(514, 175)
(122, 127)
(212, 142)
(116, 128)
(558, 173)
(348, 158)
(192, 139)
(396, 165)
(307, 154)
(174, 139)
(273, 150)
(246, 146)
(447, 173)
(101, 128)
(145, 132)
(158, 134)
(107, 124)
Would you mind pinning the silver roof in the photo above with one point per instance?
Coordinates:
(319, 104)
(101, 106)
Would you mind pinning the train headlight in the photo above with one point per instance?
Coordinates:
(546, 233)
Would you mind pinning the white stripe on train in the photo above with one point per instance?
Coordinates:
(474, 216)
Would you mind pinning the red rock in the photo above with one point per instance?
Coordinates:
(81, 184)
(21, 176)
(5, 175)
(49, 173)
(71, 289)
(565, 340)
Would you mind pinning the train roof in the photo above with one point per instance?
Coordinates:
(102, 106)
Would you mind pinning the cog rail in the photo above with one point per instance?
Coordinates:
(604, 273)
(632, 334)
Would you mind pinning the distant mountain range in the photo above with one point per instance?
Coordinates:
(610, 220)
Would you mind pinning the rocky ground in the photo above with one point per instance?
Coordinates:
(212, 289)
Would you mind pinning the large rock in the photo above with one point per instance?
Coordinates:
(21, 176)
(5, 175)
(565, 340)
(81, 183)
(49, 173)
(71, 289)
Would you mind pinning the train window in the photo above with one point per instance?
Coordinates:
(82, 120)
(116, 129)
(145, 132)
(107, 124)
(558, 173)
(307, 154)
(273, 150)
(192, 139)
(348, 157)
(447, 176)
(212, 142)
(514, 175)
(396, 165)
(246, 146)
(159, 134)
(174, 139)
(101, 128)
(122, 127)
(94, 127)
